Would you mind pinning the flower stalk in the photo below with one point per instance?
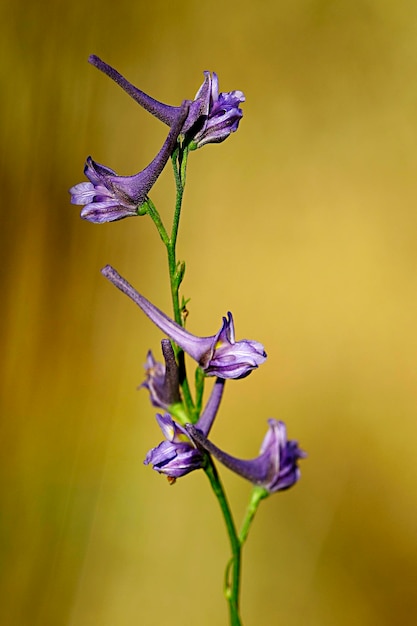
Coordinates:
(174, 275)
(258, 494)
(186, 419)
(232, 578)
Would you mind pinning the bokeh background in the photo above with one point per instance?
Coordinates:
(303, 223)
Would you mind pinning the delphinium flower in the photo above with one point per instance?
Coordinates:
(223, 113)
(218, 355)
(212, 115)
(178, 455)
(108, 197)
(275, 469)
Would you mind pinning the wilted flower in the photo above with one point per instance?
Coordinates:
(176, 456)
(108, 197)
(212, 115)
(275, 469)
(218, 355)
(162, 381)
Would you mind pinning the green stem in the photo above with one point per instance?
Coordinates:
(258, 494)
(232, 582)
(172, 264)
(179, 163)
(190, 411)
(154, 215)
(199, 390)
(232, 586)
(176, 275)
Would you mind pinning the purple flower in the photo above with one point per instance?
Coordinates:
(108, 197)
(218, 355)
(223, 113)
(275, 469)
(211, 117)
(162, 381)
(176, 456)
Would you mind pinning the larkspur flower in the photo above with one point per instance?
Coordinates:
(223, 113)
(109, 197)
(218, 355)
(176, 456)
(275, 469)
(212, 115)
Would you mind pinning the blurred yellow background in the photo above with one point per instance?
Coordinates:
(303, 223)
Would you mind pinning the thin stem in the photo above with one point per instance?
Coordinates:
(183, 165)
(233, 567)
(232, 582)
(154, 215)
(176, 273)
(199, 390)
(179, 163)
(172, 264)
(258, 494)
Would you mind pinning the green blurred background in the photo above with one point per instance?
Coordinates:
(304, 224)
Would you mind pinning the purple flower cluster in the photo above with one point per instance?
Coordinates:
(184, 448)
(209, 118)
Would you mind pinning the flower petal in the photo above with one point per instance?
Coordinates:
(275, 469)
(218, 355)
